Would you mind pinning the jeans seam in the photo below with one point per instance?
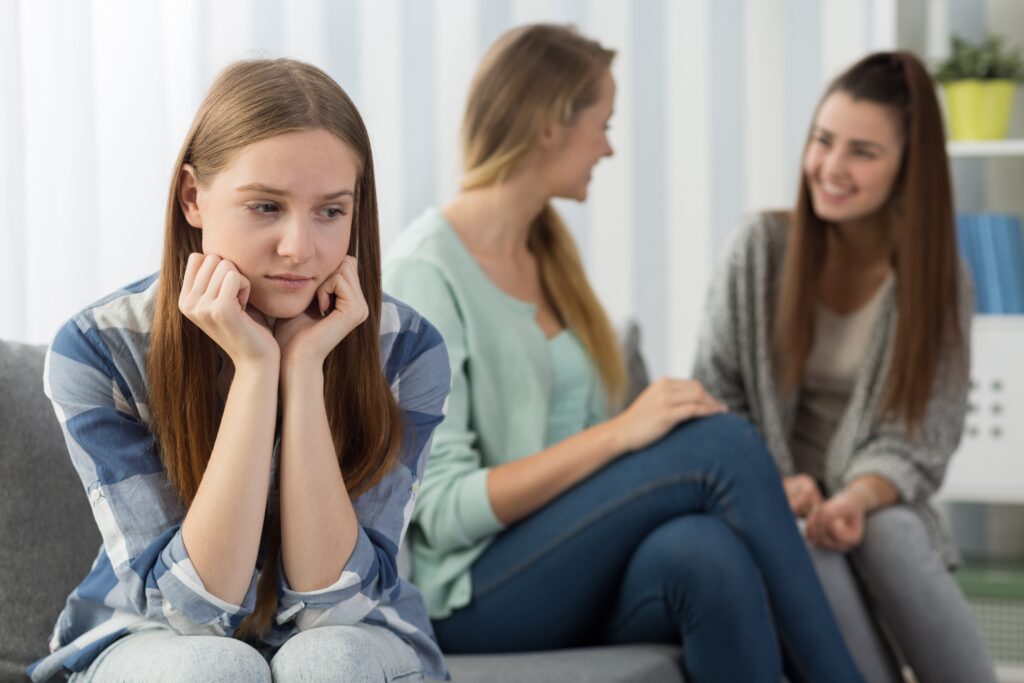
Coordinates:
(589, 520)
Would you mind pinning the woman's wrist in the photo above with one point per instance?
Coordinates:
(863, 494)
(266, 367)
(610, 439)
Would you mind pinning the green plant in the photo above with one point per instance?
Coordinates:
(990, 60)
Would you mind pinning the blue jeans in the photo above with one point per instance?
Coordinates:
(689, 539)
(361, 653)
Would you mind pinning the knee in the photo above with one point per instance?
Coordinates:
(349, 652)
(735, 444)
(703, 554)
(895, 542)
(219, 659)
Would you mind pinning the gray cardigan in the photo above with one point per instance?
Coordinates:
(735, 363)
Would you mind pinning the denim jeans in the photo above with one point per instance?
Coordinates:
(690, 539)
(362, 653)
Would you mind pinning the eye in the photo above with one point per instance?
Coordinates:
(262, 207)
(823, 140)
(865, 154)
(332, 212)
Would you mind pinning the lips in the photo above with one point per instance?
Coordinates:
(833, 193)
(289, 280)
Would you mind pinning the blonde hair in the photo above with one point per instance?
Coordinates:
(252, 101)
(535, 76)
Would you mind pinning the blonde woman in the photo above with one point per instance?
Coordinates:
(542, 522)
(233, 420)
(841, 330)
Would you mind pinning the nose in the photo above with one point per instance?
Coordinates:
(296, 242)
(608, 151)
(833, 164)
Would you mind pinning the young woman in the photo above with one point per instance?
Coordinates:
(542, 523)
(251, 425)
(841, 332)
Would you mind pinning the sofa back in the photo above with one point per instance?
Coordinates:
(48, 538)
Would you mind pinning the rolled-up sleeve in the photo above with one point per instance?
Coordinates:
(137, 511)
(420, 380)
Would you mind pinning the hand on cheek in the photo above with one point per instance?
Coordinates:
(214, 295)
(337, 309)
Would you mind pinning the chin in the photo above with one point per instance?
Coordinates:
(574, 195)
(281, 309)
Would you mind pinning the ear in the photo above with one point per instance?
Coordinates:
(551, 136)
(188, 195)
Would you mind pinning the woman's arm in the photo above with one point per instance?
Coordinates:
(319, 528)
(723, 337)
(365, 565)
(138, 513)
(517, 489)
(222, 529)
(895, 465)
(318, 523)
(462, 501)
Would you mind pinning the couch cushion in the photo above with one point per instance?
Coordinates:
(47, 535)
(612, 664)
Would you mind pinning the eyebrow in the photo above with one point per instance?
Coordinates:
(266, 189)
(861, 143)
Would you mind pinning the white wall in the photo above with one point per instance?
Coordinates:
(715, 98)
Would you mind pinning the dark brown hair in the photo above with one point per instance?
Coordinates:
(925, 257)
(252, 101)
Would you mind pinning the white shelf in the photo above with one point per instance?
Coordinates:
(985, 148)
(988, 467)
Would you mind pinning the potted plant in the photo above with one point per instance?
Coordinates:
(979, 81)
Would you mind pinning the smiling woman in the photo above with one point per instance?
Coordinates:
(232, 418)
(841, 331)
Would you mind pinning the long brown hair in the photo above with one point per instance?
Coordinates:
(252, 101)
(925, 256)
(532, 77)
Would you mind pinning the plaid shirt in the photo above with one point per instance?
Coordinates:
(142, 577)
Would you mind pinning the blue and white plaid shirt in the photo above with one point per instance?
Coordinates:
(142, 577)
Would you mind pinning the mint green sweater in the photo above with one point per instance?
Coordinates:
(504, 373)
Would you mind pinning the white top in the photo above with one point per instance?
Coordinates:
(839, 345)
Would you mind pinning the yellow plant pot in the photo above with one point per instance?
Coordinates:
(979, 109)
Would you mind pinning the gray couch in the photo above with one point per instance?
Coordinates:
(48, 539)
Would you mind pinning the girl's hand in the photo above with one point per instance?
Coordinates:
(803, 494)
(838, 523)
(311, 335)
(660, 407)
(214, 297)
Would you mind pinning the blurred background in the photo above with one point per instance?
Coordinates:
(715, 98)
(714, 102)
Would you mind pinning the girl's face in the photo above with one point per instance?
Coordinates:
(281, 211)
(579, 146)
(852, 158)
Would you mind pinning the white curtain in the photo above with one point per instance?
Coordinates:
(714, 97)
